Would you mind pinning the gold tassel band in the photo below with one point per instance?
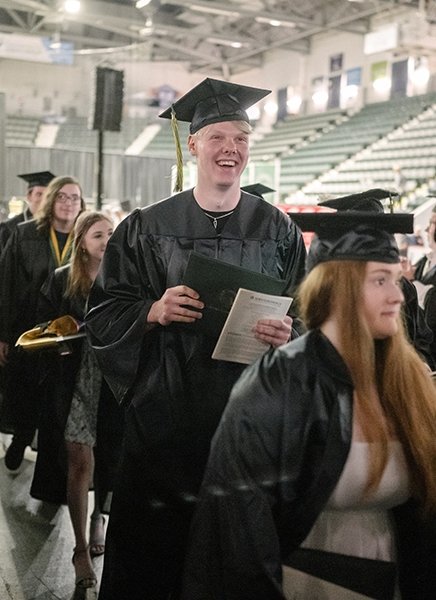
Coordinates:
(179, 156)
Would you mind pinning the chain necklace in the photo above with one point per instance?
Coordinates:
(215, 219)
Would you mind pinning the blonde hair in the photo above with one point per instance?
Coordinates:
(44, 216)
(404, 386)
(79, 281)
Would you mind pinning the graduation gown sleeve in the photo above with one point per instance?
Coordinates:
(119, 303)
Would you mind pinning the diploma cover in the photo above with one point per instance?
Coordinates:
(218, 282)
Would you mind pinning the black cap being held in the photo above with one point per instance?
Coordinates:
(41, 178)
(361, 233)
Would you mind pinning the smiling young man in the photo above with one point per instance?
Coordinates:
(153, 355)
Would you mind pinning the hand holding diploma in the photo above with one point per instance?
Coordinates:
(255, 321)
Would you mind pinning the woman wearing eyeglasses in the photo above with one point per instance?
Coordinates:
(34, 250)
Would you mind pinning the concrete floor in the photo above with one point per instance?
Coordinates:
(36, 541)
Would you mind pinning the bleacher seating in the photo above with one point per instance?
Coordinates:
(293, 131)
(346, 140)
(162, 144)
(21, 131)
(410, 147)
(75, 134)
(331, 153)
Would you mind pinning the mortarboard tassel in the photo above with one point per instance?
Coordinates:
(179, 156)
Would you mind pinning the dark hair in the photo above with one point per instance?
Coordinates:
(44, 216)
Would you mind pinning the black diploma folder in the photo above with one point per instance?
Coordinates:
(218, 282)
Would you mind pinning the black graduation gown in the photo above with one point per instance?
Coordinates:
(24, 265)
(275, 460)
(8, 226)
(59, 375)
(164, 375)
(174, 392)
(429, 278)
(419, 331)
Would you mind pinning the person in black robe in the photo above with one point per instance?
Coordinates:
(144, 326)
(80, 425)
(417, 327)
(36, 184)
(321, 479)
(423, 276)
(34, 249)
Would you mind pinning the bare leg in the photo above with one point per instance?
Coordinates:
(96, 529)
(80, 463)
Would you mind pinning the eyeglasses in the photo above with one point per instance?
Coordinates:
(64, 198)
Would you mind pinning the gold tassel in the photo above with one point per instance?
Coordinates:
(179, 156)
(391, 202)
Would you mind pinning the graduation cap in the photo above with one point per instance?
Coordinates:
(42, 179)
(368, 201)
(211, 101)
(353, 235)
(214, 101)
(257, 189)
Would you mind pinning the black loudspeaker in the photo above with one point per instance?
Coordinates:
(108, 103)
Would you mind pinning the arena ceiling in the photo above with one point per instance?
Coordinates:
(224, 37)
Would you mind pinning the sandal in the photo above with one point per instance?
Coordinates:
(87, 578)
(97, 536)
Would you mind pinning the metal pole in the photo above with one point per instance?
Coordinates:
(3, 150)
(99, 201)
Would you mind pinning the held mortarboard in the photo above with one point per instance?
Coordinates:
(353, 235)
(257, 189)
(211, 101)
(41, 178)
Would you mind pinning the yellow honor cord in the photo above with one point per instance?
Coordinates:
(179, 156)
(60, 258)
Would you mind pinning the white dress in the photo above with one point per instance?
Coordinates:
(353, 524)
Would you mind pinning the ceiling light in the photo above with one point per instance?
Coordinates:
(72, 6)
(382, 85)
(421, 75)
(148, 27)
(142, 3)
(270, 108)
(223, 42)
(275, 22)
(214, 10)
